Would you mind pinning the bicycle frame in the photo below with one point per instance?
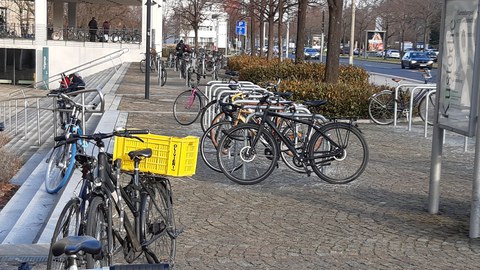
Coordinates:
(303, 156)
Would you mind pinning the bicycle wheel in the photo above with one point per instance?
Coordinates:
(115, 37)
(296, 133)
(246, 155)
(381, 107)
(68, 224)
(97, 227)
(60, 167)
(163, 77)
(209, 143)
(431, 108)
(158, 223)
(206, 111)
(339, 153)
(143, 66)
(186, 107)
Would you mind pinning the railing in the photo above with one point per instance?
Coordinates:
(60, 76)
(36, 108)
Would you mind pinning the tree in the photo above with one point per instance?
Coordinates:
(193, 13)
(302, 17)
(334, 32)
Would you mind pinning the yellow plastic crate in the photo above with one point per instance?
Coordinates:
(171, 156)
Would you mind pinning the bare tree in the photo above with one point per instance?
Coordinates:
(192, 12)
(334, 28)
(302, 16)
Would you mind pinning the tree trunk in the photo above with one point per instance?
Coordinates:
(280, 22)
(271, 26)
(302, 15)
(252, 28)
(334, 32)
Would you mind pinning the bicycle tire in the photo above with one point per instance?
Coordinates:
(342, 164)
(381, 107)
(209, 143)
(203, 115)
(143, 66)
(97, 227)
(431, 108)
(157, 217)
(68, 224)
(296, 133)
(187, 107)
(243, 163)
(164, 77)
(60, 167)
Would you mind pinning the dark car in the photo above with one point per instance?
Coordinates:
(312, 53)
(416, 59)
(432, 55)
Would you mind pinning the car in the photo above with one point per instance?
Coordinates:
(432, 55)
(312, 53)
(392, 54)
(416, 59)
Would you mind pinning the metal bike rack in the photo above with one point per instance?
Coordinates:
(426, 110)
(395, 106)
(412, 95)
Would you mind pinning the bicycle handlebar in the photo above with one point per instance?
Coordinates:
(100, 136)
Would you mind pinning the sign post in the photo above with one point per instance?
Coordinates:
(457, 95)
(241, 30)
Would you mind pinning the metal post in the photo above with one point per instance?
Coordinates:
(38, 123)
(25, 126)
(16, 116)
(147, 51)
(475, 207)
(352, 35)
(435, 170)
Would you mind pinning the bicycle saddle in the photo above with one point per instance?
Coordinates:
(71, 245)
(285, 95)
(396, 80)
(315, 103)
(136, 154)
(231, 73)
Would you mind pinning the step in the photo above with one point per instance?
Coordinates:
(31, 214)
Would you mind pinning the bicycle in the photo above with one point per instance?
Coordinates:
(381, 105)
(336, 152)
(61, 161)
(74, 246)
(148, 197)
(154, 59)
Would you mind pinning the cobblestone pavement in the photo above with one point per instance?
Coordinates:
(291, 221)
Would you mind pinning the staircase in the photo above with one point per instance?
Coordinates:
(30, 216)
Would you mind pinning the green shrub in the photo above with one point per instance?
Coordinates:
(349, 97)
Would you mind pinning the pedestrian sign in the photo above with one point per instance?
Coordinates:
(241, 28)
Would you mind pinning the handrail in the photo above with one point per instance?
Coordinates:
(82, 67)
(100, 108)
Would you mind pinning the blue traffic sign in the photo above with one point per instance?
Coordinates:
(241, 28)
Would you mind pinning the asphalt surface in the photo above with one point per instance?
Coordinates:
(292, 221)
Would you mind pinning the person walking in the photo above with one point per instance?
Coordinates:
(106, 30)
(92, 25)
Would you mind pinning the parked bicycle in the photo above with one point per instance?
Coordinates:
(147, 229)
(381, 105)
(336, 152)
(61, 162)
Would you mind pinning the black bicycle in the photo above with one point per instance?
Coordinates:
(147, 229)
(336, 152)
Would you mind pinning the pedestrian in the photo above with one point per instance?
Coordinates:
(106, 30)
(180, 48)
(92, 25)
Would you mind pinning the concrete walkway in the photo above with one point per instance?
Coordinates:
(291, 221)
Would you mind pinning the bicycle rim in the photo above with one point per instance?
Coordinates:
(142, 66)
(68, 224)
(158, 230)
(296, 134)
(164, 76)
(339, 153)
(97, 227)
(60, 167)
(431, 108)
(381, 108)
(209, 143)
(186, 107)
(244, 162)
